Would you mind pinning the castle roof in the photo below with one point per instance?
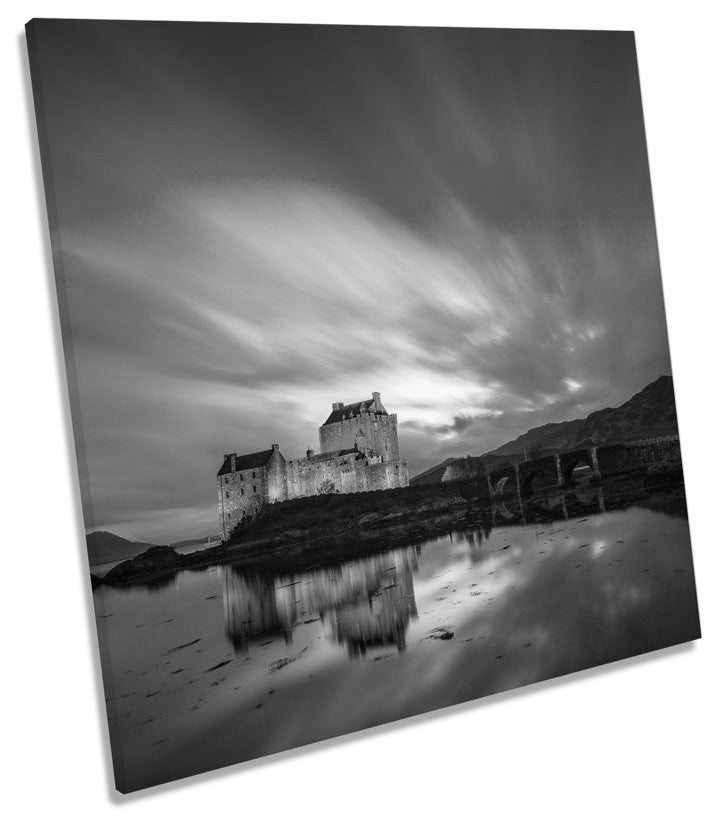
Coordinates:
(251, 461)
(352, 410)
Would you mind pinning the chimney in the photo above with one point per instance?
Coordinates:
(276, 447)
(338, 405)
(309, 453)
(376, 397)
(232, 456)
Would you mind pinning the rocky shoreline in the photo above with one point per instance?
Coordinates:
(284, 540)
(301, 534)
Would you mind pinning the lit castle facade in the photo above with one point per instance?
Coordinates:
(359, 452)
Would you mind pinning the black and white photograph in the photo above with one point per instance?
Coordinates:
(368, 369)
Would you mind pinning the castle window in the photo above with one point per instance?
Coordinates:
(254, 488)
(253, 473)
(227, 494)
(242, 491)
(242, 477)
(226, 479)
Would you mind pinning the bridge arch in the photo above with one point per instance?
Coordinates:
(570, 461)
(529, 479)
(570, 466)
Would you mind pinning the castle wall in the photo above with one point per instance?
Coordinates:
(385, 476)
(240, 494)
(316, 476)
(343, 474)
(276, 477)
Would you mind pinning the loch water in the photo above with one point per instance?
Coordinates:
(227, 663)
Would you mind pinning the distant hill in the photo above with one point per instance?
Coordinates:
(104, 547)
(648, 414)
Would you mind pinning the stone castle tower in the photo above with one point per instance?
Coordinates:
(359, 452)
(365, 426)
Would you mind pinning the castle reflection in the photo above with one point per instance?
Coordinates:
(363, 604)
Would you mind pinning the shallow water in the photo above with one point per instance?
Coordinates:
(223, 665)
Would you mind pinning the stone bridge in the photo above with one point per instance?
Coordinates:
(556, 471)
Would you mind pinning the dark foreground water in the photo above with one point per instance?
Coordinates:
(223, 665)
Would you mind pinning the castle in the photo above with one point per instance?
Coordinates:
(359, 452)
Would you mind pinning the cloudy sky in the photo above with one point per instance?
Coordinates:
(256, 221)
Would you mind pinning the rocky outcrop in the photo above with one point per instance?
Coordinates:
(158, 561)
(307, 524)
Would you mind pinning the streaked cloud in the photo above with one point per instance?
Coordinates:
(459, 220)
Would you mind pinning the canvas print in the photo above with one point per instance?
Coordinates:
(368, 369)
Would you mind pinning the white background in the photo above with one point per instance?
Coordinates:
(635, 738)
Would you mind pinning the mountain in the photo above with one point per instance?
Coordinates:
(104, 547)
(648, 414)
